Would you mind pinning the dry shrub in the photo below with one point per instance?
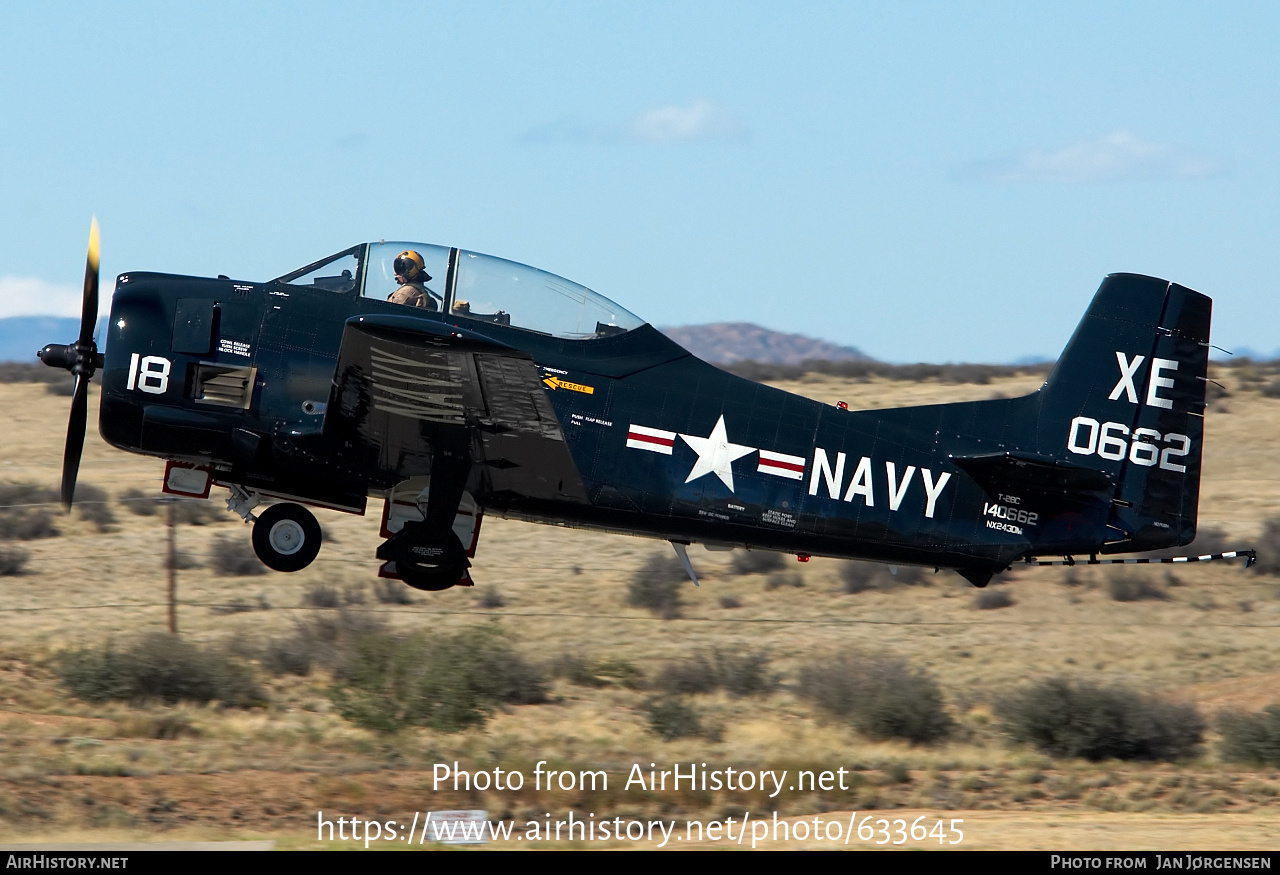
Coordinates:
(1079, 719)
(491, 598)
(94, 506)
(882, 696)
(1268, 546)
(319, 639)
(139, 503)
(1135, 588)
(445, 682)
(163, 667)
(391, 592)
(13, 561)
(608, 671)
(756, 562)
(783, 580)
(863, 576)
(32, 372)
(198, 512)
(671, 718)
(1251, 738)
(656, 586)
(233, 557)
(993, 599)
(26, 512)
(321, 596)
(182, 561)
(738, 674)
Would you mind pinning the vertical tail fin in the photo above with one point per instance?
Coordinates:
(1127, 398)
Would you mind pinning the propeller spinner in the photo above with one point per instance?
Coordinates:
(82, 359)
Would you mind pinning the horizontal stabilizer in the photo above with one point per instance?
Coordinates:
(1013, 471)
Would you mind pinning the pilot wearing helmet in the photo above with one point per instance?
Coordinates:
(412, 276)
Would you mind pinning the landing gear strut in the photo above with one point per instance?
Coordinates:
(427, 554)
(286, 537)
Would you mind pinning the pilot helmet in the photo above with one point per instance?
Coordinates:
(409, 264)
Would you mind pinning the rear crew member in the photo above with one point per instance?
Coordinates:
(412, 276)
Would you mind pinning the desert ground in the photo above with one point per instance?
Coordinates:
(72, 770)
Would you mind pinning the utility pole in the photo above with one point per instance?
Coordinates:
(173, 570)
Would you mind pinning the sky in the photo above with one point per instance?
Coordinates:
(924, 181)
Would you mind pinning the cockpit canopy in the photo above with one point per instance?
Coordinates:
(470, 285)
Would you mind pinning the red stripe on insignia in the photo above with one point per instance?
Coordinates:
(650, 439)
(789, 466)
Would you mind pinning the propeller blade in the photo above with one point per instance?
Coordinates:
(89, 306)
(75, 439)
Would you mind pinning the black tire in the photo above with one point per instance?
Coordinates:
(286, 537)
(430, 578)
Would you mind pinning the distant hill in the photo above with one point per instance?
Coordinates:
(728, 342)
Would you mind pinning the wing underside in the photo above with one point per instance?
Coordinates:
(399, 390)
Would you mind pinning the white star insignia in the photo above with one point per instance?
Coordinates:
(715, 455)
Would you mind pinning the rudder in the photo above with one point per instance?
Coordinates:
(1127, 398)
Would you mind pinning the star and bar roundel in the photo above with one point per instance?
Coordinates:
(716, 453)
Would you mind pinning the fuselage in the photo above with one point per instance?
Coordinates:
(238, 376)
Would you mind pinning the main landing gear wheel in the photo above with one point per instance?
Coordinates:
(422, 566)
(430, 578)
(286, 537)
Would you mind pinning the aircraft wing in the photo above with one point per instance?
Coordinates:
(403, 383)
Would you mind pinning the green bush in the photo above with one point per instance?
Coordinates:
(656, 586)
(1251, 738)
(163, 667)
(738, 674)
(1080, 719)
(882, 696)
(446, 682)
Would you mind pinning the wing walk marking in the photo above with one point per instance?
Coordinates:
(397, 376)
(439, 399)
(655, 440)
(419, 413)
(414, 400)
(781, 465)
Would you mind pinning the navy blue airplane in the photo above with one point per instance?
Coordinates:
(449, 384)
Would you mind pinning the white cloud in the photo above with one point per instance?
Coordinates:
(1118, 156)
(700, 120)
(28, 296)
(662, 125)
